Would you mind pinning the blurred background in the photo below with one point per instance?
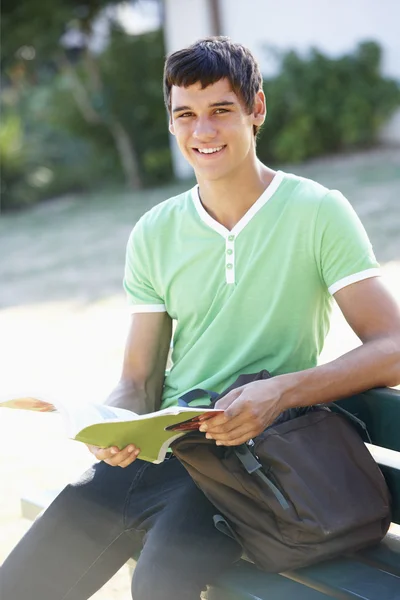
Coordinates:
(85, 150)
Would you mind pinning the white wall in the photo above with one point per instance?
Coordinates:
(333, 26)
(185, 22)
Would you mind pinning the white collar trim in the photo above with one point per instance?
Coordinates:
(253, 210)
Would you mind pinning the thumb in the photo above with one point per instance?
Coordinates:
(93, 449)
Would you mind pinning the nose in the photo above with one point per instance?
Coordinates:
(204, 130)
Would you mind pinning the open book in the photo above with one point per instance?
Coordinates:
(106, 426)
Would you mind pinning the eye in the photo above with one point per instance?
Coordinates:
(184, 115)
(221, 111)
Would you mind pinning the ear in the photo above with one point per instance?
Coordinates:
(171, 126)
(260, 108)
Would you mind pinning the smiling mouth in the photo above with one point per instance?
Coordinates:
(209, 151)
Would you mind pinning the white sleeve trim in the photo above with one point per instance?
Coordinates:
(147, 308)
(335, 287)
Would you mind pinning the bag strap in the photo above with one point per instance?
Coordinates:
(244, 379)
(195, 395)
(223, 526)
(214, 396)
(254, 467)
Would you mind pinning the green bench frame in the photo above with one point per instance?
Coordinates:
(373, 574)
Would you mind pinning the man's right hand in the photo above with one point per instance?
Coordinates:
(114, 456)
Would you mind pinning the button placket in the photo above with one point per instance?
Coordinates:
(230, 259)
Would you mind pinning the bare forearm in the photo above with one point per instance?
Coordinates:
(374, 364)
(140, 398)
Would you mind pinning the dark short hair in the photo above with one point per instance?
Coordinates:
(207, 61)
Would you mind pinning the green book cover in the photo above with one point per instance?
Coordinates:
(104, 426)
(150, 435)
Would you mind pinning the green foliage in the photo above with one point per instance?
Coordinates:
(48, 147)
(318, 105)
(13, 157)
(38, 159)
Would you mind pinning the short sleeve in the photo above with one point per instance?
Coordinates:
(343, 250)
(141, 294)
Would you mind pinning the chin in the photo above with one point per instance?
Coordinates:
(216, 175)
(204, 176)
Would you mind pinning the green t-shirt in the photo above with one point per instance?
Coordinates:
(256, 297)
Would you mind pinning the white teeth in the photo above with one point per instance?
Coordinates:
(209, 150)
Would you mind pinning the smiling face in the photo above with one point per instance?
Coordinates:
(213, 129)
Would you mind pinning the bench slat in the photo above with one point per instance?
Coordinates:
(385, 556)
(380, 411)
(34, 502)
(245, 582)
(392, 477)
(347, 579)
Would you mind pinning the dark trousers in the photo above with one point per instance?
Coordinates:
(96, 524)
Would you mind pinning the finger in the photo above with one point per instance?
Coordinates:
(214, 422)
(246, 429)
(121, 456)
(105, 453)
(234, 416)
(130, 459)
(227, 426)
(236, 442)
(113, 456)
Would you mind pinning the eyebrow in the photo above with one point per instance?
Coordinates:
(213, 105)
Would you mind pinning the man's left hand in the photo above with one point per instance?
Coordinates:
(248, 410)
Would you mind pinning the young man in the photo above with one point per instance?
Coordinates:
(246, 264)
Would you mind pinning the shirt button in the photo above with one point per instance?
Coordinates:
(231, 238)
(229, 251)
(229, 266)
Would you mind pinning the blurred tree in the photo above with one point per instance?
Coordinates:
(42, 37)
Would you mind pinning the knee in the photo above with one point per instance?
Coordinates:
(168, 571)
(158, 581)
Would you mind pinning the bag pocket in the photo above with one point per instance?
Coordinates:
(326, 473)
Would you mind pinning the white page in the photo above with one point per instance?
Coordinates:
(75, 415)
(78, 416)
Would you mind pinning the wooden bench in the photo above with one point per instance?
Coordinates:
(373, 574)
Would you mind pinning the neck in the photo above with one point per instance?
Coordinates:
(228, 200)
